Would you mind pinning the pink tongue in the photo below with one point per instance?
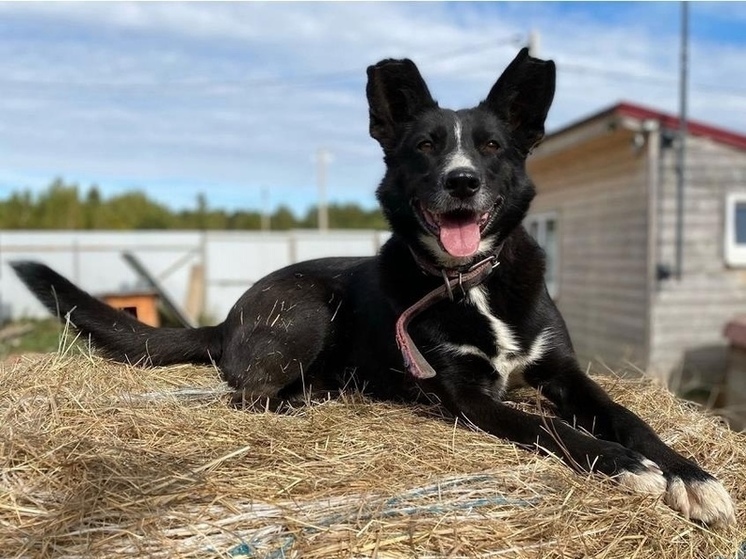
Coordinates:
(460, 237)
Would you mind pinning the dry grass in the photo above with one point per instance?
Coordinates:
(104, 460)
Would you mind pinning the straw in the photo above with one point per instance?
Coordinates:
(106, 460)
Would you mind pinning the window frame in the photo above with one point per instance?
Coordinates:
(734, 252)
(551, 276)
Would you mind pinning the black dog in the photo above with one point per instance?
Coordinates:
(454, 306)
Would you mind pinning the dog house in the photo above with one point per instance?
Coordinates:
(143, 305)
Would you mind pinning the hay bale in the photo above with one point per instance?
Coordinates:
(106, 460)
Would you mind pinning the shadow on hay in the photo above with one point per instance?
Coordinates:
(95, 490)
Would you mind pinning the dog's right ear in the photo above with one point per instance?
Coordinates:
(396, 94)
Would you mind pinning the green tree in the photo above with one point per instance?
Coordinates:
(242, 220)
(59, 207)
(347, 216)
(202, 211)
(92, 208)
(18, 211)
(283, 219)
(134, 210)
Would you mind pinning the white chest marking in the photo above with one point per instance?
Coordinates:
(510, 361)
(458, 159)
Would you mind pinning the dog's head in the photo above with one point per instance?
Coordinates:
(455, 183)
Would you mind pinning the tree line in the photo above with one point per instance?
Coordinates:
(67, 206)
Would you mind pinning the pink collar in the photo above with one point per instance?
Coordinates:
(414, 361)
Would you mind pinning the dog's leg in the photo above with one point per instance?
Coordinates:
(582, 402)
(276, 338)
(247, 400)
(476, 399)
(274, 366)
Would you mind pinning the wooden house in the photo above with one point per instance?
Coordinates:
(606, 214)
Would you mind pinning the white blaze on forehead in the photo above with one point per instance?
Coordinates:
(458, 159)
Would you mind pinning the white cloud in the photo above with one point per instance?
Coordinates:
(240, 95)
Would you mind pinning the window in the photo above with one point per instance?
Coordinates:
(543, 228)
(735, 229)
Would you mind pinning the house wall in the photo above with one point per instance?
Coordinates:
(598, 189)
(688, 315)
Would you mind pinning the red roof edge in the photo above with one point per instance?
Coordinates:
(666, 120)
(694, 127)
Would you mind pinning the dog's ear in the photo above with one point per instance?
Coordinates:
(522, 97)
(396, 94)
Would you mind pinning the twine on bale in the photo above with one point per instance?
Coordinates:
(740, 554)
(445, 497)
(106, 460)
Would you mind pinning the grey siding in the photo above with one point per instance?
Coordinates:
(599, 191)
(688, 316)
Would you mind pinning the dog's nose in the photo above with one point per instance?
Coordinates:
(462, 183)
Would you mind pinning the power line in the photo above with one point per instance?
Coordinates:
(306, 80)
(641, 77)
(612, 74)
(298, 79)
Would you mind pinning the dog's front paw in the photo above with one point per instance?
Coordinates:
(646, 477)
(704, 499)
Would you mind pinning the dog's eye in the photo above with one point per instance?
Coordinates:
(425, 146)
(490, 147)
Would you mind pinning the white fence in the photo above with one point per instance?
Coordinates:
(232, 261)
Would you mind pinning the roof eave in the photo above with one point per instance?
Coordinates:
(634, 117)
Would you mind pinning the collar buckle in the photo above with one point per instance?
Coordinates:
(454, 277)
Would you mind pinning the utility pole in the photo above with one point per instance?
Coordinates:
(681, 151)
(322, 158)
(265, 225)
(534, 42)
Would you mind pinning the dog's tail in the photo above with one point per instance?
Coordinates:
(117, 334)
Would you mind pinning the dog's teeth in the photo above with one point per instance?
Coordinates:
(430, 218)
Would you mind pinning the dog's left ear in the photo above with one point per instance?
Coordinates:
(522, 97)
(396, 95)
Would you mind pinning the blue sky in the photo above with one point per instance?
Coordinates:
(232, 99)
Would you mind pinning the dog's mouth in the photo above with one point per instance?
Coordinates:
(459, 231)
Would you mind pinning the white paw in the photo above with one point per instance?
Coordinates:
(647, 480)
(706, 501)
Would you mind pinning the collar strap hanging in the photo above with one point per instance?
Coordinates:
(414, 361)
